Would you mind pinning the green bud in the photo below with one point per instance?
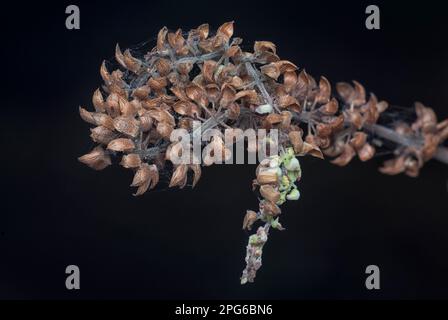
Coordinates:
(282, 198)
(285, 180)
(292, 165)
(293, 195)
(253, 239)
(293, 175)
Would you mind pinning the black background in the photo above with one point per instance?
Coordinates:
(188, 244)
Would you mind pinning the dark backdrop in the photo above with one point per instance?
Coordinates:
(189, 243)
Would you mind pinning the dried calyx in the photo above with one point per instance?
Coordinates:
(208, 77)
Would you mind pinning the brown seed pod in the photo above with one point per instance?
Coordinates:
(269, 193)
(382, 106)
(233, 111)
(271, 70)
(86, 116)
(359, 95)
(431, 142)
(286, 119)
(267, 177)
(146, 122)
(213, 92)
(366, 152)
(102, 119)
(164, 129)
(197, 94)
(249, 219)
(185, 68)
(290, 80)
(127, 125)
(358, 140)
(227, 95)
(354, 117)
(323, 130)
(185, 123)
(131, 161)
(208, 70)
(98, 101)
(196, 168)
(142, 92)
(112, 105)
(274, 118)
(330, 108)
(145, 176)
(269, 208)
(121, 145)
(345, 91)
(161, 115)
(105, 74)
(96, 159)
(157, 84)
(426, 118)
(119, 56)
(250, 96)
(102, 135)
(324, 91)
(287, 101)
(263, 46)
(127, 109)
(179, 177)
(393, 166)
(226, 30)
(295, 137)
(163, 66)
(346, 156)
(336, 123)
(312, 150)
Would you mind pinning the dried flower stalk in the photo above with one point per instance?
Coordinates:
(207, 77)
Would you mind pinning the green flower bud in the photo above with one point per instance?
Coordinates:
(253, 239)
(293, 195)
(292, 165)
